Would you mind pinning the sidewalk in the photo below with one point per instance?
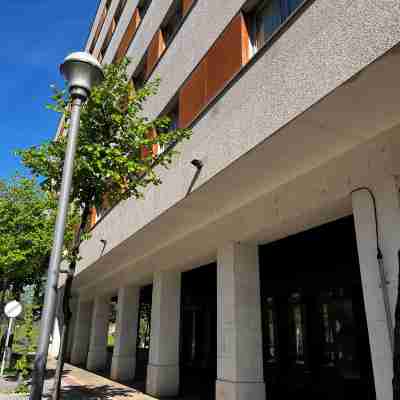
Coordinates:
(79, 384)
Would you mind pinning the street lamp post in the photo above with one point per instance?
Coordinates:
(82, 71)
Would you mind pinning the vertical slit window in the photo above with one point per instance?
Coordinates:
(339, 345)
(139, 77)
(270, 330)
(265, 17)
(297, 328)
(143, 7)
(172, 21)
(294, 4)
(119, 11)
(264, 21)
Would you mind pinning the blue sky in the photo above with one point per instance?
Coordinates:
(36, 35)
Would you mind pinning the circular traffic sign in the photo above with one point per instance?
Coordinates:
(13, 309)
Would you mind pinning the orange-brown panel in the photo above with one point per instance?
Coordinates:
(154, 52)
(186, 4)
(227, 56)
(128, 36)
(93, 217)
(246, 49)
(192, 96)
(145, 151)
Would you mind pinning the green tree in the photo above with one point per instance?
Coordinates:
(115, 158)
(27, 216)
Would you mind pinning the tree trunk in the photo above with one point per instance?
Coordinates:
(66, 308)
(396, 350)
(4, 284)
(4, 287)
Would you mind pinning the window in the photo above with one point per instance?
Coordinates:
(293, 4)
(339, 328)
(100, 25)
(119, 11)
(269, 322)
(265, 17)
(139, 76)
(107, 40)
(173, 114)
(143, 6)
(172, 21)
(264, 22)
(297, 328)
(113, 27)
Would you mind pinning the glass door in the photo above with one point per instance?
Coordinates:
(313, 345)
(315, 336)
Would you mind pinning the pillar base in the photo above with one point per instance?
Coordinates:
(162, 380)
(123, 368)
(226, 390)
(96, 360)
(78, 357)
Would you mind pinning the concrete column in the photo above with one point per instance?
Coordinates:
(388, 215)
(239, 353)
(81, 332)
(124, 356)
(163, 368)
(55, 339)
(74, 309)
(97, 356)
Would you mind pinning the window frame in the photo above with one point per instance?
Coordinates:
(143, 8)
(255, 9)
(119, 11)
(172, 21)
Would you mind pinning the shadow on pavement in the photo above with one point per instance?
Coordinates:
(105, 392)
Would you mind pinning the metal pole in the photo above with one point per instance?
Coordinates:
(64, 334)
(386, 300)
(50, 299)
(3, 363)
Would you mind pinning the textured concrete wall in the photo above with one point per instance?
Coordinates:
(324, 48)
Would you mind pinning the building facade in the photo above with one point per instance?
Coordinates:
(270, 272)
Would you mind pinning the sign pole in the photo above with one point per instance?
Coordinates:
(12, 310)
(6, 349)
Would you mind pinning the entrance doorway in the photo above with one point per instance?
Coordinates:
(143, 333)
(315, 337)
(199, 332)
